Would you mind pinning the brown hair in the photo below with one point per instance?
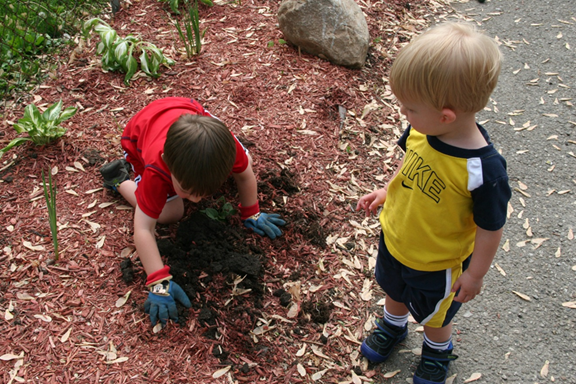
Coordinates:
(200, 152)
(452, 65)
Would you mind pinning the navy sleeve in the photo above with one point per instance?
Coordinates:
(491, 198)
(402, 140)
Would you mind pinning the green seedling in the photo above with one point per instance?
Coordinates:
(42, 128)
(222, 215)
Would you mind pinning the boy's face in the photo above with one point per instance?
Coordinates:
(424, 118)
(184, 194)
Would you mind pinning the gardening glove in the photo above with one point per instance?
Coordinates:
(161, 302)
(261, 223)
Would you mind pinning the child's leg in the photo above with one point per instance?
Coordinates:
(436, 356)
(393, 328)
(128, 191)
(395, 312)
(436, 338)
(172, 212)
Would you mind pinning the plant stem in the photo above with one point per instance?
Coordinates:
(51, 205)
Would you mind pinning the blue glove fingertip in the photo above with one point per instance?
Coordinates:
(178, 293)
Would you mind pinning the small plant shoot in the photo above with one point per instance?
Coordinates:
(191, 35)
(225, 211)
(50, 197)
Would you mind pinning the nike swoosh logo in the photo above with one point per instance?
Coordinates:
(406, 186)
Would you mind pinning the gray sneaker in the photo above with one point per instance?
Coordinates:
(114, 173)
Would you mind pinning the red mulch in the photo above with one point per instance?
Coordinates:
(63, 317)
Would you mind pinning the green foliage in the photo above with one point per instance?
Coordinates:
(225, 211)
(280, 41)
(175, 4)
(51, 205)
(192, 39)
(119, 53)
(32, 28)
(42, 128)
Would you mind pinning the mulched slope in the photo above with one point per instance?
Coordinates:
(66, 319)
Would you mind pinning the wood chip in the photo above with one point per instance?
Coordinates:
(389, 375)
(545, 368)
(121, 301)
(221, 372)
(473, 377)
(522, 296)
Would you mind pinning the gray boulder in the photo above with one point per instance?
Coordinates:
(335, 30)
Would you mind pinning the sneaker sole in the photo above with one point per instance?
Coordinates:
(374, 356)
(418, 380)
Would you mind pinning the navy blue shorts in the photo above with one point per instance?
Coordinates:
(427, 295)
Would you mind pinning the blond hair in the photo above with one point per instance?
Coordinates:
(200, 152)
(452, 65)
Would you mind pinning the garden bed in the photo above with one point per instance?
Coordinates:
(288, 310)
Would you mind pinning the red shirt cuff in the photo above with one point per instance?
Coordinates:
(246, 212)
(161, 274)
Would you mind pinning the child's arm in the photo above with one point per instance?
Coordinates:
(161, 304)
(261, 223)
(247, 189)
(145, 242)
(470, 282)
(370, 202)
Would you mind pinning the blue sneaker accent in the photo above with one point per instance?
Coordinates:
(433, 367)
(379, 345)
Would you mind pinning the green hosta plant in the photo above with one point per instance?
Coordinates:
(225, 211)
(50, 196)
(118, 53)
(42, 128)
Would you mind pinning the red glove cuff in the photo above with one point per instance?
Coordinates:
(161, 274)
(246, 212)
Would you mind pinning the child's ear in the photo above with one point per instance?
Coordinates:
(448, 116)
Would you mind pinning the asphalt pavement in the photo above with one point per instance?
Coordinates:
(521, 329)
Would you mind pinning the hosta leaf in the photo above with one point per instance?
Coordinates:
(102, 27)
(13, 143)
(89, 24)
(22, 126)
(121, 51)
(33, 114)
(108, 63)
(109, 37)
(132, 66)
(144, 63)
(52, 112)
(66, 114)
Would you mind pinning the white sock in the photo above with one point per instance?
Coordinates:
(398, 321)
(437, 346)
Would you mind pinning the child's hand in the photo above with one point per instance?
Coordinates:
(370, 202)
(469, 287)
(161, 302)
(265, 224)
